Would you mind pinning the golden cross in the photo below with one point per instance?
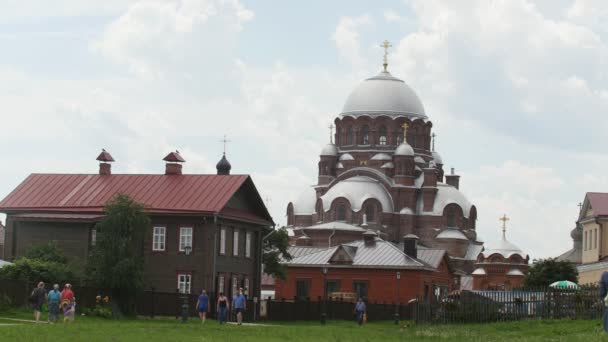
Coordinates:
(386, 44)
(504, 220)
(405, 126)
(331, 133)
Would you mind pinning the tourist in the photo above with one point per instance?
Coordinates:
(202, 304)
(54, 299)
(68, 303)
(239, 303)
(37, 298)
(222, 307)
(604, 296)
(360, 310)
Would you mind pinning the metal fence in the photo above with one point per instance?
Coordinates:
(519, 304)
(148, 303)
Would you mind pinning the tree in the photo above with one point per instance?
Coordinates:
(543, 272)
(34, 270)
(274, 249)
(116, 261)
(49, 252)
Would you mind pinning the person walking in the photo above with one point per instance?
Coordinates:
(68, 303)
(202, 304)
(222, 307)
(37, 298)
(54, 298)
(240, 303)
(360, 310)
(604, 296)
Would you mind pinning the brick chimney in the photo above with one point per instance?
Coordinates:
(174, 166)
(410, 245)
(369, 238)
(105, 168)
(453, 179)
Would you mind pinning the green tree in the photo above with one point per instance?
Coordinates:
(34, 270)
(116, 261)
(543, 272)
(274, 250)
(47, 252)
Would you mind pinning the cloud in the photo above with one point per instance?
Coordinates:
(391, 16)
(346, 38)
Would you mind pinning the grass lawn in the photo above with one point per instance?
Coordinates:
(95, 329)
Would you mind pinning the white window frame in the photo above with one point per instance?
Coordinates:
(159, 232)
(585, 241)
(221, 283)
(223, 240)
(184, 282)
(595, 238)
(246, 280)
(184, 238)
(93, 237)
(235, 242)
(235, 286)
(248, 244)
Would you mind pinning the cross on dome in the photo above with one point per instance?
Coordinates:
(405, 126)
(224, 141)
(433, 141)
(386, 44)
(504, 220)
(331, 133)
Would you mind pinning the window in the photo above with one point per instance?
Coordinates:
(365, 135)
(93, 237)
(158, 238)
(341, 212)
(585, 242)
(235, 286)
(451, 219)
(349, 136)
(235, 243)
(360, 288)
(332, 286)
(415, 138)
(185, 238)
(595, 238)
(246, 286)
(303, 288)
(382, 135)
(220, 283)
(223, 241)
(183, 282)
(248, 245)
(370, 210)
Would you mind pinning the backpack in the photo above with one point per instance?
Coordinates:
(34, 296)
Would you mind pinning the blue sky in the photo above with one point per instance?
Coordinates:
(517, 92)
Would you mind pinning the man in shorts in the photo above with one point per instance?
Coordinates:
(239, 303)
(37, 298)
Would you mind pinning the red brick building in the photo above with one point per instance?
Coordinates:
(368, 269)
(219, 218)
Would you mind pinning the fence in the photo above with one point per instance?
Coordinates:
(148, 303)
(519, 304)
(307, 310)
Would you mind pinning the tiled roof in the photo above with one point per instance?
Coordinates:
(88, 193)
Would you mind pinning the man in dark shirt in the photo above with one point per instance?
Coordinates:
(603, 293)
(38, 297)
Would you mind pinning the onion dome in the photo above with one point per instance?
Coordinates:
(404, 149)
(577, 234)
(330, 150)
(223, 166)
(437, 158)
(504, 248)
(386, 95)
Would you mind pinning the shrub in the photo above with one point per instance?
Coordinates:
(34, 270)
(5, 303)
(102, 308)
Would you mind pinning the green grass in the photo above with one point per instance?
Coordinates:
(95, 329)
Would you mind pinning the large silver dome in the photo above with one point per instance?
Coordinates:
(383, 95)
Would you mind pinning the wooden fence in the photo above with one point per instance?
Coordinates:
(520, 304)
(149, 303)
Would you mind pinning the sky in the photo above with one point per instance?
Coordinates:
(517, 92)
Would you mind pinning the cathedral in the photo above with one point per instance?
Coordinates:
(380, 172)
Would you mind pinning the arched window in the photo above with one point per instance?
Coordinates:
(320, 210)
(349, 135)
(382, 135)
(341, 212)
(415, 137)
(338, 137)
(451, 217)
(370, 212)
(290, 215)
(399, 138)
(365, 135)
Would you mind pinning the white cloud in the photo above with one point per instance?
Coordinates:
(391, 16)
(346, 38)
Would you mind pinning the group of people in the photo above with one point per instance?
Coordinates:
(57, 301)
(239, 303)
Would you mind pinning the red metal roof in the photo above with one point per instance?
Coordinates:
(59, 216)
(89, 193)
(599, 202)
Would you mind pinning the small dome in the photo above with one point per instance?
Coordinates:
(330, 150)
(223, 166)
(576, 234)
(479, 271)
(383, 94)
(406, 211)
(346, 156)
(305, 204)
(388, 165)
(381, 156)
(504, 248)
(404, 149)
(437, 158)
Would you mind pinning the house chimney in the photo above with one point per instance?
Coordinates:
(410, 245)
(174, 166)
(105, 168)
(369, 238)
(453, 179)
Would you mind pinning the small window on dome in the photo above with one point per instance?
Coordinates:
(341, 212)
(365, 135)
(415, 138)
(370, 212)
(382, 135)
(451, 217)
(349, 136)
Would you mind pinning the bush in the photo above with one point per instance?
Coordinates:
(34, 270)
(102, 308)
(49, 252)
(5, 303)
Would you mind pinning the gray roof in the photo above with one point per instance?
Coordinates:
(297, 251)
(382, 254)
(473, 251)
(432, 257)
(592, 267)
(357, 190)
(451, 233)
(335, 225)
(574, 255)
